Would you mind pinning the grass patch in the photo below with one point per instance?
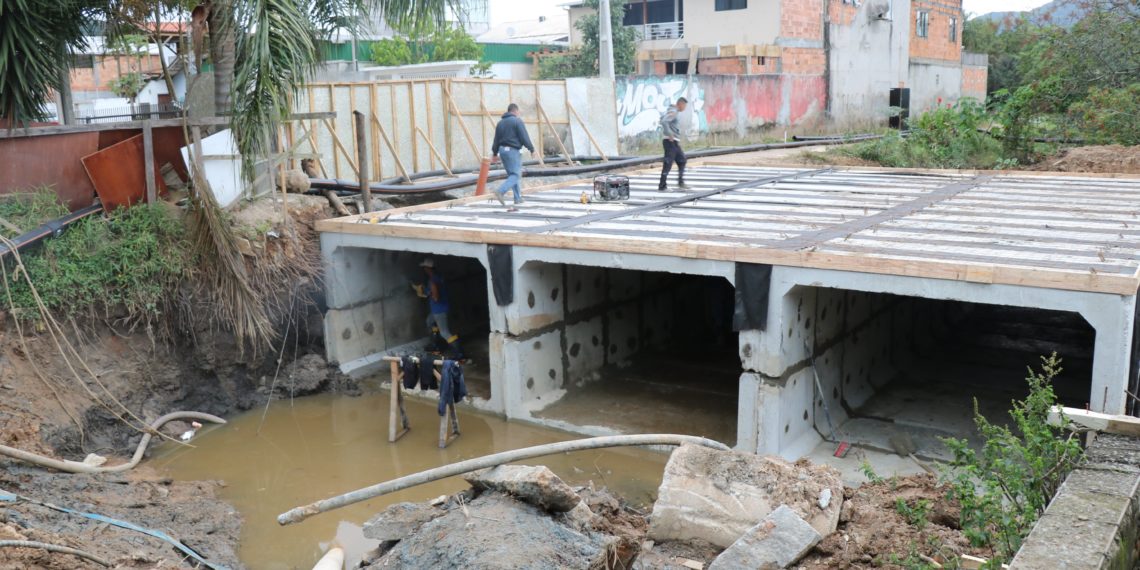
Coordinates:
(125, 266)
(25, 211)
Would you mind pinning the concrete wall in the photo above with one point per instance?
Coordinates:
(759, 23)
(868, 57)
(730, 104)
(567, 322)
(1092, 523)
(933, 83)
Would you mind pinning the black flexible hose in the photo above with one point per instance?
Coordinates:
(393, 186)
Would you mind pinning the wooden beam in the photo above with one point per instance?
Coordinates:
(434, 152)
(148, 163)
(462, 124)
(388, 143)
(339, 145)
(554, 132)
(586, 128)
(1105, 423)
(100, 127)
(362, 159)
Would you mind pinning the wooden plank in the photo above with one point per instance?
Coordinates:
(430, 129)
(391, 147)
(463, 125)
(586, 128)
(414, 125)
(435, 152)
(148, 163)
(1105, 423)
(340, 146)
(17, 133)
(554, 133)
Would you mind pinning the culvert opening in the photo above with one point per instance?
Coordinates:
(641, 352)
(902, 369)
(398, 316)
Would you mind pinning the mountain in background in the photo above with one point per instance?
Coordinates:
(1064, 13)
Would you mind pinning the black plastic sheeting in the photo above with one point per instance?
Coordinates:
(396, 186)
(502, 273)
(1133, 406)
(753, 282)
(52, 228)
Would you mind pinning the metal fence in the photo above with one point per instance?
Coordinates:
(136, 112)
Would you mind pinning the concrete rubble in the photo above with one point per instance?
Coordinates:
(778, 541)
(538, 486)
(400, 521)
(717, 496)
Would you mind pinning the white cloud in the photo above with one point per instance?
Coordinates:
(987, 6)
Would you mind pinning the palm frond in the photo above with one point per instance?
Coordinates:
(37, 38)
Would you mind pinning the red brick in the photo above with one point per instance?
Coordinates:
(937, 45)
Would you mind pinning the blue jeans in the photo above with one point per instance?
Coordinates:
(512, 162)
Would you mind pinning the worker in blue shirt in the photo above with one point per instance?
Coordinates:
(435, 291)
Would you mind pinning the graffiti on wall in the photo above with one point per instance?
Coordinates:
(642, 100)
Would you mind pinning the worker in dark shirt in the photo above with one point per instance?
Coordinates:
(510, 138)
(435, 291)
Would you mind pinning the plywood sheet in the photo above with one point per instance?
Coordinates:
(118, 174)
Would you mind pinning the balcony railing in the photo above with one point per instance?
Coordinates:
(661, 31)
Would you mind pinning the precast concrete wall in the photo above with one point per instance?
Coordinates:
(425, 125)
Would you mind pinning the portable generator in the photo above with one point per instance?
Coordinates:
(611, 187)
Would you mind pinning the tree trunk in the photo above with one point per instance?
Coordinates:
(222, 45)
(66, 111)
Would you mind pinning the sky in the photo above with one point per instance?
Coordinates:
(987, 6)
(513, 10)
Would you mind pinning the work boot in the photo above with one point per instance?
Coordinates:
(681, 185)
(499, 197)
(454, 350)
(518, 201)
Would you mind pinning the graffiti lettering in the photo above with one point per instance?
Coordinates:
(642, 101)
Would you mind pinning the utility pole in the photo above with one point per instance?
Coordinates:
(605, 41)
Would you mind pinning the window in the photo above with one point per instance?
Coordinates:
(922, 24)
(722, 5)
(82, 61)
(953, 29)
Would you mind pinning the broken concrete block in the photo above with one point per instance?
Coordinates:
(400, 521)
(779, 541)
(716, 496)
(538, 486)
(580, 518)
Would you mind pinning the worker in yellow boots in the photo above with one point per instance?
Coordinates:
(435, 291)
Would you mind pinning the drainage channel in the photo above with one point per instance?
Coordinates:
(319, 446)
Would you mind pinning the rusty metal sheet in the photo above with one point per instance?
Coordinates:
(56, 161)
(168, 143)
(119, 175)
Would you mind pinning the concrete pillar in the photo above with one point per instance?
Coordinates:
(1113, 321)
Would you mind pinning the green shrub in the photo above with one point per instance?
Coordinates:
(27, 211)
(127, 264)
(1005, 488)
(1110, 116)
(945, 137)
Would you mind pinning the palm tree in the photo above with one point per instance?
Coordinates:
(37, 38)
(264, 50)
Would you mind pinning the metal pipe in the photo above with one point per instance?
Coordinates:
(394, 187)
(299, 514)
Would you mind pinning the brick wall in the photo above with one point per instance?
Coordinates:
(107, 69)
(974, 80)
(737, 66)
(937, 45)
(803, 61)
(801, 19)
(843, 12)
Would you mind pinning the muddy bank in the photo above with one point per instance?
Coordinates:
(94, 400)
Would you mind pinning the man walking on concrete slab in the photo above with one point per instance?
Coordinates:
(510, 138)
(435, 291)
(671, 133)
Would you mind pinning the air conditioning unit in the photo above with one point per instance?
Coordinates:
(883, 12)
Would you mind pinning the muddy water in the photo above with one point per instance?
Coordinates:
(321, 446)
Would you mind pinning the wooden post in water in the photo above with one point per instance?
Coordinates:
(362, 159)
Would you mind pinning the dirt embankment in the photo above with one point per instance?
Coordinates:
(70, 407)
(1112, 159)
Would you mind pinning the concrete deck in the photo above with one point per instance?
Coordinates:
(865, 267)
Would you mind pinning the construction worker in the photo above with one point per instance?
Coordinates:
(435, 291)
(510, 138)
(671, 140)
